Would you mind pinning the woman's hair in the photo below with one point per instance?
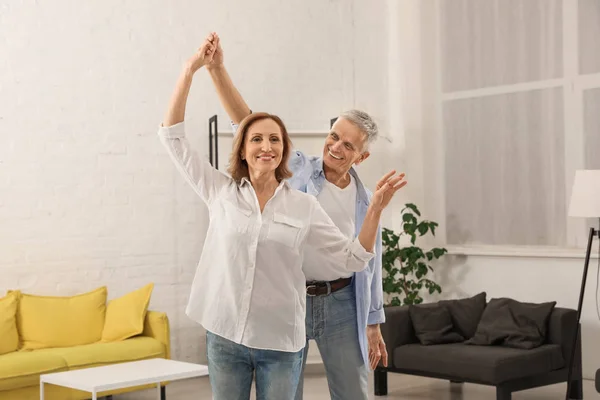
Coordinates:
(238, 168)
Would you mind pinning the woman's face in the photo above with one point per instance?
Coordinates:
(263, 147)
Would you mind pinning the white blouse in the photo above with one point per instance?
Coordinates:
(249, 286)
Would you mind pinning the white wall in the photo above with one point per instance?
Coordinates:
(87, 195)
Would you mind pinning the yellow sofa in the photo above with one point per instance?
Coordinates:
(49, 338)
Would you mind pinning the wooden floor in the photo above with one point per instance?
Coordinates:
(400, 387)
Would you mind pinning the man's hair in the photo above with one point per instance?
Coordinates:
(364, 122)
(238, 168)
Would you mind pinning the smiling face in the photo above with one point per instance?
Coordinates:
(263, 147)
(344, 146)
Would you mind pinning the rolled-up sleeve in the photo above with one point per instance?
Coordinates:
(339, 253)
(203, 177)
(376, 312)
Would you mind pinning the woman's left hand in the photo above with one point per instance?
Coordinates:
(203, 56)
(387, 186)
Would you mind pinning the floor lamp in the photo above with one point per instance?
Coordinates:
(585, 203)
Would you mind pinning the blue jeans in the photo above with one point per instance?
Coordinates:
(331, 322)
(232, 366)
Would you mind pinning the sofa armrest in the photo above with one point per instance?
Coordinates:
(156, 325)
(397, 330)
(561, 325)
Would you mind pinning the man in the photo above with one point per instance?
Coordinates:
(343, 312)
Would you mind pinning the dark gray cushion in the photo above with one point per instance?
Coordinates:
(466, 313)
(432, 324)
(486, 365)
(510, 323)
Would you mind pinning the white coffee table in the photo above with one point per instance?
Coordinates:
(123, 375)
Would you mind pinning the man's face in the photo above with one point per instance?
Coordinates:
(344, 146)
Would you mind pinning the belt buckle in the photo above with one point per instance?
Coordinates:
(315, 286)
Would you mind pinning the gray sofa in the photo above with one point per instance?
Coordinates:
(484, 343)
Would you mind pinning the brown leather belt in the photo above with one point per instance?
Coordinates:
(326, 288)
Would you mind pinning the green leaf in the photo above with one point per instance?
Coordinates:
(437, 252)
(385, 234)
(413, 208)
(388, 287)
(408, 228)
(389, 238)
(422, 268)
(423, 227)
(432, 226)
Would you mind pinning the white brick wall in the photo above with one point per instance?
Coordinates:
(87, 195)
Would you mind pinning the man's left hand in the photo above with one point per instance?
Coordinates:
(377, 350)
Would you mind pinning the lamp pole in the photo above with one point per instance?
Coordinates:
(592, 234)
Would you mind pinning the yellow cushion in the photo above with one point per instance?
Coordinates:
(125, 315)
(9, 336)
(97, 354)
(23, 368)
(46, 321)
(156, 326)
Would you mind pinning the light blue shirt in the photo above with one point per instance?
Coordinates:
(308, 177)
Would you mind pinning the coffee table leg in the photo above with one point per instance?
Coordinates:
(158, 388)
(94, 396)
(41, 390)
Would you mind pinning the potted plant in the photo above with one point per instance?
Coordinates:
(405, 268)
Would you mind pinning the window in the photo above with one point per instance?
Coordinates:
(519, 101)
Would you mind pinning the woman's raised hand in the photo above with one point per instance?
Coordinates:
(202, 57)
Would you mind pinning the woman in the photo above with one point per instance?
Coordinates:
(249, 290)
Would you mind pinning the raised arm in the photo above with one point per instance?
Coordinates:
(203, 178)
(230, 97)
(342, 254)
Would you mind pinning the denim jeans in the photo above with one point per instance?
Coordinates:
(331, 323)
(232, 366)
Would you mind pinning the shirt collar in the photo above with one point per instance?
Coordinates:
(283, 183)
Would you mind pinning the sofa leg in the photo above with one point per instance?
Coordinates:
(576, 390)
(503, 393)
(380, 382)
(163, 393)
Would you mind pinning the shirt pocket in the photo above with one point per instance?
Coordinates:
(285, 230)
(235, 218)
